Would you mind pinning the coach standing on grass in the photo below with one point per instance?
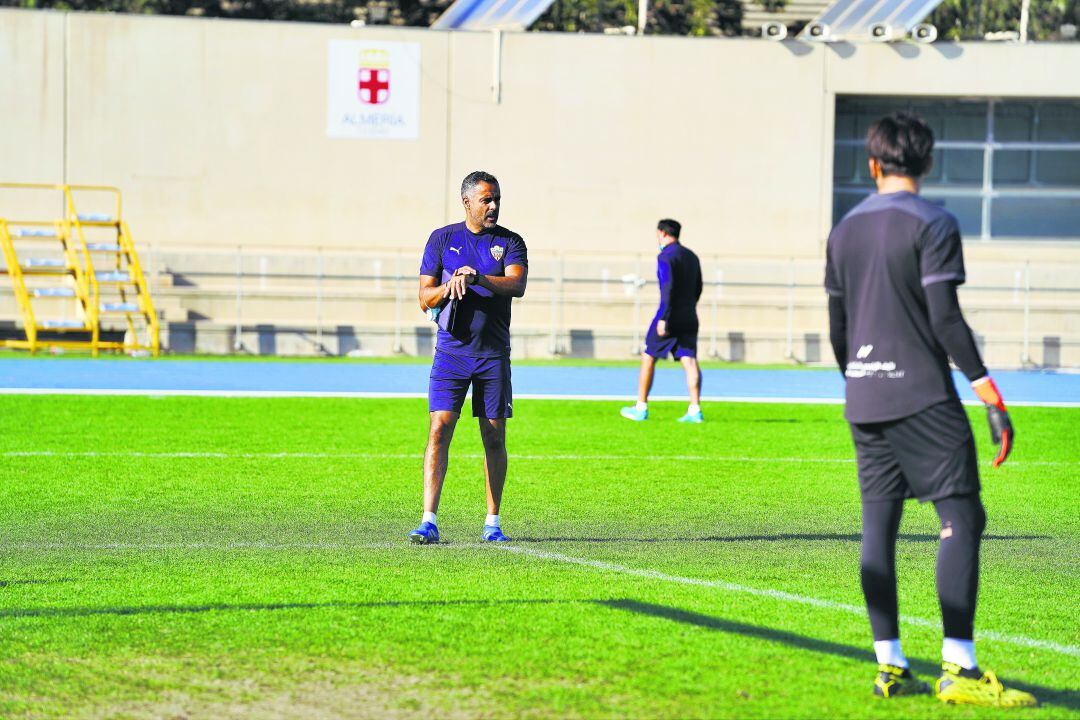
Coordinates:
(469, 273)
(674, 329)
(892, 269)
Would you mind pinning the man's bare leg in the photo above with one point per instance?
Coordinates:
(437, 456)
(693, 379)
(645, 377)
(493, 433)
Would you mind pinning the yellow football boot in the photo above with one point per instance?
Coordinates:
(893, 681)
(966, 687)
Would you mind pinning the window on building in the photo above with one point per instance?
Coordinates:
(1007, 169)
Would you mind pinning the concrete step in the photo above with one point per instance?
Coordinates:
(120, 307)
(52, 292)
(63, 324)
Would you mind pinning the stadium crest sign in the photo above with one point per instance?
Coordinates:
(373, 90)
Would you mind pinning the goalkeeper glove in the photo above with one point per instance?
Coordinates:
(1001, 429)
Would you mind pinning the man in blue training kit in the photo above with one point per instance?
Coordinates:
(674, 330)
(893, 265)
(468, 275)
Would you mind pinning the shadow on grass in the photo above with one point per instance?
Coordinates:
(122, 610)
(15, 583)
(1046, 695)
(781, 537)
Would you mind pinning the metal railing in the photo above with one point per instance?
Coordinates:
(608, 298)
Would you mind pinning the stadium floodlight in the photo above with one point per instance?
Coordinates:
(774, 30)
(924, 33)
(818, 32)
(882, 32)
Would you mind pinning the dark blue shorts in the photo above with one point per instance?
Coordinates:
(451, 376)
(680, 344)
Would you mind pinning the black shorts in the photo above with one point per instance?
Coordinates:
(929, 455)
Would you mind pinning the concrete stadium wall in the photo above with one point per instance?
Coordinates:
(215, 130)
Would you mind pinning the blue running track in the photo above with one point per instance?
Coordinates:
(280, 378)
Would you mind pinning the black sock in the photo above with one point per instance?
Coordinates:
(881, 523)
(963, 520)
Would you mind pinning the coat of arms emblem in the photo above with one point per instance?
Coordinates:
(373, 85)
(497, 252)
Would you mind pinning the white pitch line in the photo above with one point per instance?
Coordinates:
(1020, 640)
(470, 456)
(158, 392)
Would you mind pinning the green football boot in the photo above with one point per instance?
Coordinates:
(893, 681)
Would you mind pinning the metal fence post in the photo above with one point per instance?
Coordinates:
(553, 320)
(638, 284)
(153, 276)
(398, 301)
(1025, 357)
(717, 290)
(789, 351)
(318, 301)
(238, 343)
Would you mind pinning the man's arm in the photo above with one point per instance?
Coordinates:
(512, 283)
(838, 330)
(432, 294)
(663, 313)
(947, 322)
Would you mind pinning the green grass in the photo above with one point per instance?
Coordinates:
(252, 585)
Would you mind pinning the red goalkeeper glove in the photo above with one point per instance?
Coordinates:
(1001, 429)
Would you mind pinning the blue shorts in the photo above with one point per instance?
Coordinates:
(680, 344)
(451, 376)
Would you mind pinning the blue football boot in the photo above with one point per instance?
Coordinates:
(426, 534)
(632, 413)
(695, 418)
(493, 533)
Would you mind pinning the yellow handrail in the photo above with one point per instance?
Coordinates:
(144, 288)
(92, 304)
(22, 298)
(79, 259)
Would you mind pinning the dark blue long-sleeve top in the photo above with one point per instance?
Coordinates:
(679, 272)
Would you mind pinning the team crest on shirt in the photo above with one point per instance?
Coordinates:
(497, 252)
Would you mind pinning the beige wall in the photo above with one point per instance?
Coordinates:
(215, 130)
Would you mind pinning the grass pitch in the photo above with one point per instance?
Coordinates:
(219, 558)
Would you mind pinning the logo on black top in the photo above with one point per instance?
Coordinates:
(497, 252)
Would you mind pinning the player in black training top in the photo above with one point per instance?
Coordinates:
(892, 269)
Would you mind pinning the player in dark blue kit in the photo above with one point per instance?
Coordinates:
(892, 269)
(468, 275)
(674, 329)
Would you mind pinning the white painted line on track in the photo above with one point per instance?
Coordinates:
(158, 392)
(1019, 640)
(468, 456)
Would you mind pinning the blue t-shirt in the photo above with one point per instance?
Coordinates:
(482, 324)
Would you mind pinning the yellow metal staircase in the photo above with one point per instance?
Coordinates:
(77, 279)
